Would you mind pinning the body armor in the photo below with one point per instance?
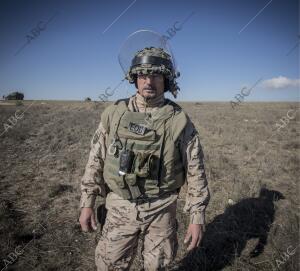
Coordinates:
(143, 157)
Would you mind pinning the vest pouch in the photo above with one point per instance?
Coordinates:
(130, 179)
(142, 164)
(147, 178)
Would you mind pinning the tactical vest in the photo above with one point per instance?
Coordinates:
(156, 166)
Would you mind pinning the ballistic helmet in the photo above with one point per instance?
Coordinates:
(153, 56)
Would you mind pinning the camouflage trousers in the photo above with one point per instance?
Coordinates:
(125, 222)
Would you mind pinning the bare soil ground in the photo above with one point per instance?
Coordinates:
(43, 155)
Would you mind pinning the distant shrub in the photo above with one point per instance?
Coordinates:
(88, 99)
(15, 96)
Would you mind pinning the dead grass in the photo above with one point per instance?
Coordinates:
(43, 158)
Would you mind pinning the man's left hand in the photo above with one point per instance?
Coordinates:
(195, 231)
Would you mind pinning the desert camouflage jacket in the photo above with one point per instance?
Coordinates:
(197, 194)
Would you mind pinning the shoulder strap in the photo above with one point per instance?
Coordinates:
(175, 106)
(113, 112)
(179, 119)
(126, 100)
(120, 109)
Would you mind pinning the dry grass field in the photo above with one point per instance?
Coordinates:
(252, 167)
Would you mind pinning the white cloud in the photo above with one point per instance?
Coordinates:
(281, 82)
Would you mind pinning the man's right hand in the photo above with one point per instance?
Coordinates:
(87, 219)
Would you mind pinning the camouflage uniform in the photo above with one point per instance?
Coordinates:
(155, 219)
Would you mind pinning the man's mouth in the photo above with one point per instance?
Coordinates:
(150, 89)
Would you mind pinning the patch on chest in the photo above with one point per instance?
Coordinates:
(137, 128)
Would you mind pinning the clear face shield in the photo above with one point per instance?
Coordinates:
(139, 40)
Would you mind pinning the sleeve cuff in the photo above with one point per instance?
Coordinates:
(197, 218)
(87, 200)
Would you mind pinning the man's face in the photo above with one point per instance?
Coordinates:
(150, 85)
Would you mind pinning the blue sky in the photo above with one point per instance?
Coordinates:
(224, 46)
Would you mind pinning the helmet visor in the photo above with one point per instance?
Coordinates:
(139, 40)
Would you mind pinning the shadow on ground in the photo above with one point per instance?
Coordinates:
(227, 235)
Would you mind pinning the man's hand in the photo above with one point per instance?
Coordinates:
(195, 231)
(87, 219)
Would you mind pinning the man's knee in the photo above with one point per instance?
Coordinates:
(109, 259)
(114, 251)
(159, 254)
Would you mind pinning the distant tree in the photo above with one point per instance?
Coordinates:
(15, 96)
(88, 99)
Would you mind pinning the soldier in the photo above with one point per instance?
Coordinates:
(143, 151)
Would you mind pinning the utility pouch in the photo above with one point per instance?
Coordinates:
(142, 164)
(131, 179)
